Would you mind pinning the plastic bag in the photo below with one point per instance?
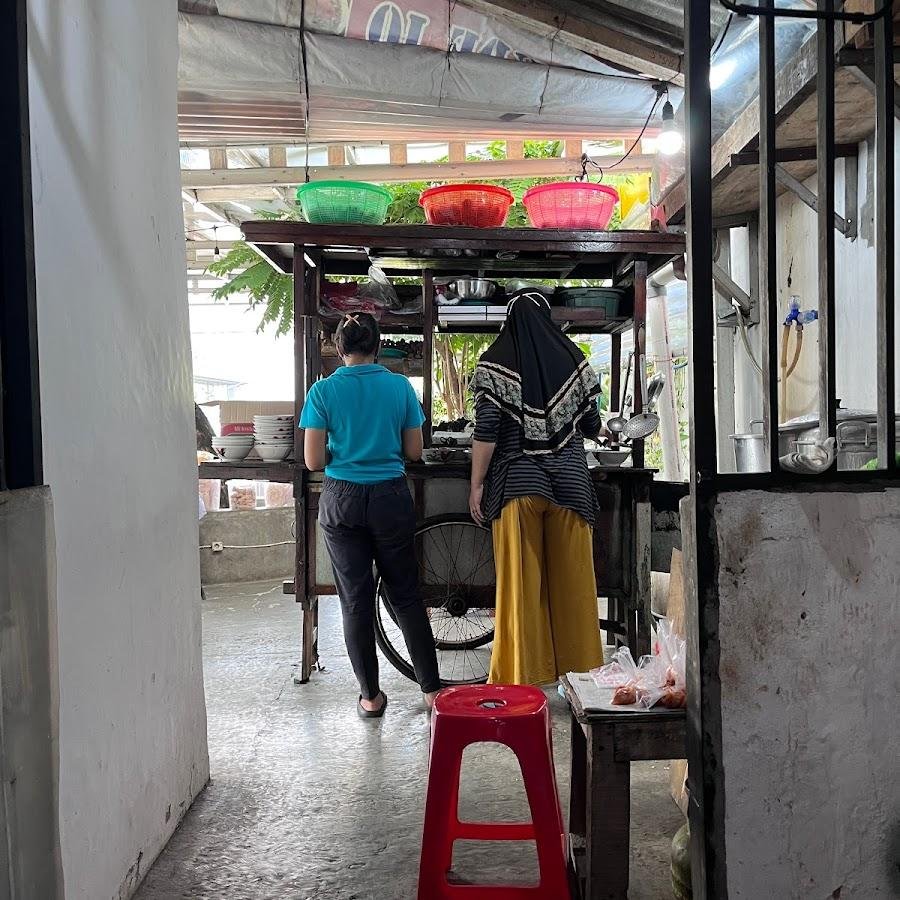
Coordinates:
(657, 679)
(379, 290)
(668, 683)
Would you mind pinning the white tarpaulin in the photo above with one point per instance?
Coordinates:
(424, 23)
(236, 76)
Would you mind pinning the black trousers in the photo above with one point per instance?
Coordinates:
(373, 524)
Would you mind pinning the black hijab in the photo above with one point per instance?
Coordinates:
(535, 374)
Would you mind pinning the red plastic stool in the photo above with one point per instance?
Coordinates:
(519, 718)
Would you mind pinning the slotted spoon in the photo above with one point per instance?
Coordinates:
(643, 424)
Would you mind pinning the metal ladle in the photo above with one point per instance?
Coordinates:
(616, 425)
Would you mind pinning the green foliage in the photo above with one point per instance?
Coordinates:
(250, 274)
(404, 208)
(455, 358)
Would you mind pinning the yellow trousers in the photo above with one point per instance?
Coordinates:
(546, 620)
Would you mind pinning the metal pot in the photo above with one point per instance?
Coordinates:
(473, 288)
(750, 450)
(857, 444)
(856, 436)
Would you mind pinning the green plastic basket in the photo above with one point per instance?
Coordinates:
(343, 202)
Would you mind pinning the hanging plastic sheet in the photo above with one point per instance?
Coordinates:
(241, 71)
(734, 82)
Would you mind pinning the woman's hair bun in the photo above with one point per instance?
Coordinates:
(357, 333)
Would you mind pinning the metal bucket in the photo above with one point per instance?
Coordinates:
(750, 451)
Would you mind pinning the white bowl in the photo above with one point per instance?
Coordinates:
(286, 443)
(235, 438)
(232, 454)
(267, 420)
(272, 454)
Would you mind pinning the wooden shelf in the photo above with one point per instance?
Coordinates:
(412, 249)
(411, 368)
(251, 469)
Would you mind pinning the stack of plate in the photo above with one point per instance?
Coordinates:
(274, 437)
(233, 447)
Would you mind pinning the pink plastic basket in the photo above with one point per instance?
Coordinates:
(571, 204)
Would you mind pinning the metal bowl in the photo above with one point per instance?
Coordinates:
(608, 457)
(473, 288)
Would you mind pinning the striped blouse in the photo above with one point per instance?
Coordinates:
(561, 477)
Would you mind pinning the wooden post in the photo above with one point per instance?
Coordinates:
(337, 155)
(608, 817)
(457, 151)
(574, 148)
(278, 157)
(397, 154)
(615, 374)
(578, 779)
(218, 158)
(640, 349)
(515, 149)
(427, 351)
(301, 594)
(643, 532)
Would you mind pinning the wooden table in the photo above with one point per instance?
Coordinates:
(603, 747)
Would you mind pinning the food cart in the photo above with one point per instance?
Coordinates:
(453, 554)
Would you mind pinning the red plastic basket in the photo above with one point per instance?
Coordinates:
(570, 204)
(478, 205)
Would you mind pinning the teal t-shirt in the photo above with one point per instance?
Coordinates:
(364, 409)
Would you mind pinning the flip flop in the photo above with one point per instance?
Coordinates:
(364, 713)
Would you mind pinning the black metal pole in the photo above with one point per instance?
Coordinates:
(825, 213)
(768, 274)
(699, 232)
(21, 453)
(704, 732)
(884, 239)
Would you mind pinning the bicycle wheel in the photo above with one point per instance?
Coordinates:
(456, 573)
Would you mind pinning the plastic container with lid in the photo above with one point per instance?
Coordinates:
(211, 493)
(278, 494)
(241, 494)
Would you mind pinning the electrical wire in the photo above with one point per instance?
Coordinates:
(586, 160)
(722, 37)
(744, 9)
(305, 88)
(247, 546)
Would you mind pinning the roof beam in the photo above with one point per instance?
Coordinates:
(599, 39)
(221, 185)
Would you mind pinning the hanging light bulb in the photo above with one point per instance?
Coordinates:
(216, 242)
(669, 140)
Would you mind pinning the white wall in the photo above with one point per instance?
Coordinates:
(809, 586)
(118, 434)
(855, 300)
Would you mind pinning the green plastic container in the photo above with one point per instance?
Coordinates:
(343, 202)
(607, 299)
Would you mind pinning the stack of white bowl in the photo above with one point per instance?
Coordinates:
(233, 447)
(274, 437)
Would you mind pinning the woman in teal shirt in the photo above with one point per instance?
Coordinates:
(359, 425)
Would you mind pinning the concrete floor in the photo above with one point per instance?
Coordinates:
(309, 802)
